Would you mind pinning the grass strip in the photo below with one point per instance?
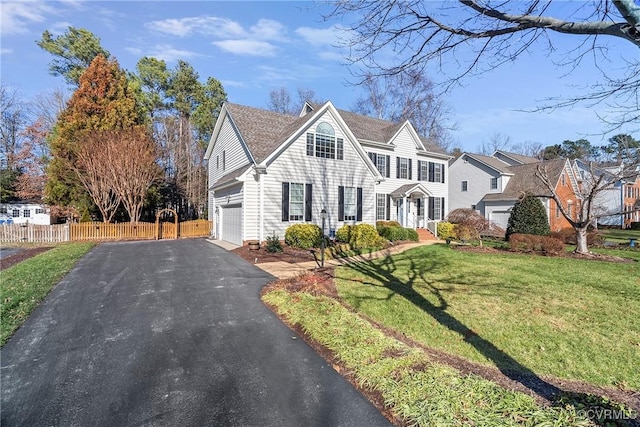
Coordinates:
(24, 285)
(419, 391)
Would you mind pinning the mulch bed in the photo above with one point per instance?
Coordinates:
(288, 254)
(21, 256)
(322, 282)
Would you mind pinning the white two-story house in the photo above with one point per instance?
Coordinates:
(268, 171)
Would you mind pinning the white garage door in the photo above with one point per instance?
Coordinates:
(500, 218)
(232, 224)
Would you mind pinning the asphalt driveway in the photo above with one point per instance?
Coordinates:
(168, 333)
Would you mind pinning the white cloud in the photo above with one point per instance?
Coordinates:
(170, 54)
(247, 47)
(267, 29)
(322, 36)
(5, 51)
(234, 83)
(16, 17)
(203, 25)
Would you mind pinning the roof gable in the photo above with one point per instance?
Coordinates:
(491, 162)
(514, 159)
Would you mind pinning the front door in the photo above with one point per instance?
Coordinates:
(400, 212)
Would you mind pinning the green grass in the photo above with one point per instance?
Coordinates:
(617, 235)
(574, 319)
(418, 390)
(24, 285)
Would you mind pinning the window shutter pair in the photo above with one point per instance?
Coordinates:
(308, 198)
(397, 167)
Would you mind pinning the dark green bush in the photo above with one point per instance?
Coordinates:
(303, 236)
(273, 244)
(387, 224)
(635, 225)
(412, 235)
(528, 216)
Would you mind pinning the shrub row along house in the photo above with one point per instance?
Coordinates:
(268, 171)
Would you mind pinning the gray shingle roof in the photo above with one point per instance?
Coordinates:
(496, 164)
(264, 131)
(524, 180)
(519, 157)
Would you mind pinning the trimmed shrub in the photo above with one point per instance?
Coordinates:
(535, 243)
(303, 236)
(465, 232)
(568, 236)
(392, 234)
(344, 234)
(360, 236)
(412, 235)
(387, 224)
(364, 236)
(528, 217)
(446, 230)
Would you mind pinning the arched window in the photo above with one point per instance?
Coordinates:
(324, 143)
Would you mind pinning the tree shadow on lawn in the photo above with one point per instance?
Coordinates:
(383, 271)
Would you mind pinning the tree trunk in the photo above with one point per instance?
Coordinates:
(581, 241)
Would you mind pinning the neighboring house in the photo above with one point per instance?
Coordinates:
(618, 203)
(492, 185)
(268, 171)
(22, 212)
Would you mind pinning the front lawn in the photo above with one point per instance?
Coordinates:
(568, 318)
(25, 285)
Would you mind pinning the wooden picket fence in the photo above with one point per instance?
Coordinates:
(32, 233)
(99, 231)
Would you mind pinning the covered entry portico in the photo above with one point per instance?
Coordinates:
(410, 201)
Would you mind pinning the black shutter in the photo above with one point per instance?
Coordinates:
(410, 161)
(340, 203)
(388, 162)
(359, 204)
(397, 167)
(432, 172)
(442, 173)
(307, 202)
(285, 201)
(442, 211)
(431, 208)
(419, 170)
(388, 208)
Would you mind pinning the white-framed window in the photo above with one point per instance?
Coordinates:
(437, 208)
(465, 185)
(404, 168)
(494, 183)
(382, 162)
(349, 203)
(438, 171)
(430, 171)
(3, 209)
(15, 213)
(26, 213)
(296, 202)
(324, 143)
(39, 211)
(381, 207)
(423, 170)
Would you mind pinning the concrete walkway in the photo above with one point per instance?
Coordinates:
(285, 270)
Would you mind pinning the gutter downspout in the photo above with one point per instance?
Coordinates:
(261, 170)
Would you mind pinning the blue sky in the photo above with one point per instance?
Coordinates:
(254, 47)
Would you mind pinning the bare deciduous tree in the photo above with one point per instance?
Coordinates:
(280, 100)
(476, 36)
(408, 95)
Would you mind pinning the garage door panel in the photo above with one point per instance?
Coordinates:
(500, 218)
(232, 224)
